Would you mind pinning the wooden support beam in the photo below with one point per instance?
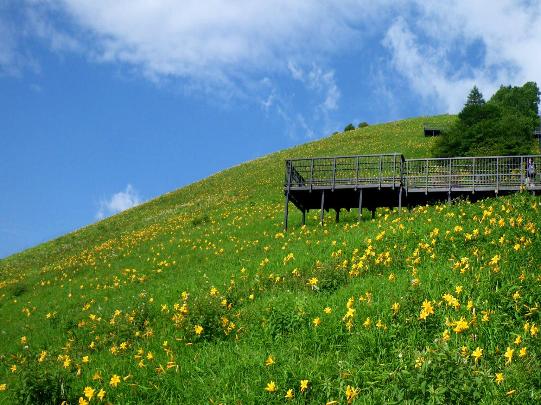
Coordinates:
(322, 207)
(304, 217)
(373, 213)
(360, 204)
(400, 199)
(286, 211)
(337, 215)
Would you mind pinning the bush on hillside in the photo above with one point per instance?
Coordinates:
(363, 124)
(349, 127)
(501, 126)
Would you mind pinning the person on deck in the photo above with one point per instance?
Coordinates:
(530, 171)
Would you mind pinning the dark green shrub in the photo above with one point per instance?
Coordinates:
(363, 124)
(43, 387)
(286, 317)
(502, 126)
(349, 127)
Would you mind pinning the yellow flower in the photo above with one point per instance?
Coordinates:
(271, 387)
(459, 289)
(89, 392)
(3, 387)
(198, 329)
(101, 394)
(461, 325)
(316, 321)
(522, 352)
(351, 393)
(82, 401)
(518, 340)
(150, 356)
(42, 356)
(304, 385)
(327, 310)
(289, 394)
(426, 310)
(96, 376)
(312, 282)
(509, 355)
(115, 379)
(395, 307)
(367, 322)
(446, 335)
(269, 361)
(85, 359)
(477, 354)
(499, 378)
(534, 330)
(13, 368)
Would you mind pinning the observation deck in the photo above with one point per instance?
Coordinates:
(390, 180)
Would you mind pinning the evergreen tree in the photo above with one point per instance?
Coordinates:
(475, 97)
(502, 126)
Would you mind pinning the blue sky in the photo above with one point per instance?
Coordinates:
(106, 104)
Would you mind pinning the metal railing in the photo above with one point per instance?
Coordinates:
(473, 173)
(429, 174)
(345, 171)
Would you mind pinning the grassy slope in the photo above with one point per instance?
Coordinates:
(225, 233)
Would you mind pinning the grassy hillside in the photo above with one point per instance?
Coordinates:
(199, 297)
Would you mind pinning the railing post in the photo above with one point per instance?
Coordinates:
(474, 175)
(521, 170)
(357, 173)
(289, 166)
(394, 170)
(450, 173)
(426, 179)
(497, 175)
(333, 173)
(311, 174)
(380, 170)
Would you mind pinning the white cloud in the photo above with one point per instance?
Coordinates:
(13, 59)
(119, 202)
(320, 81)
(506, 34)
(218, 39)
(225, 47)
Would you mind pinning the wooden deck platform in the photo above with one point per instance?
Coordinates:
(390, 180)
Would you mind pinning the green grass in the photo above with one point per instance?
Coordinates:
(113, 291)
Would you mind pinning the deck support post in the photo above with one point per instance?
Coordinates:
(373, 213)
(304, 217)
(322, 206)
(286, 211)
(449, 197)
(400, 199)
(337, 215)
(360, 204)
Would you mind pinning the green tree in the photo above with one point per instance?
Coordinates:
(501, 126)
(475, 97)
(349, 127)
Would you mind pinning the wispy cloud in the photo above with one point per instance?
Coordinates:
(503, 39)
(217, 41)
(438, 49)
(119, 202)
